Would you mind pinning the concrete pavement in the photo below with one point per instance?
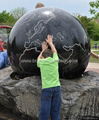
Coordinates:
(93, 67)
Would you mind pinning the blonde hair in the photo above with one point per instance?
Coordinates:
(39, 5)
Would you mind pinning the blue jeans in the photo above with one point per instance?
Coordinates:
(50, 103)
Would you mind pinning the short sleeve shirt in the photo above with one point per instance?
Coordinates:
(49, 71)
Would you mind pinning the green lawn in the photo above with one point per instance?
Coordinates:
(97, 52)
(94, 42)
(93, 60)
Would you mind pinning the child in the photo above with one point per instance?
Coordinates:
(1, 44)
(39, 5)
(4, 57)
(50, 96)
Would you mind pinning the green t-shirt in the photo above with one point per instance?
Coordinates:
(49, 71)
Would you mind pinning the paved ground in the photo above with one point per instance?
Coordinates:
(93, 67)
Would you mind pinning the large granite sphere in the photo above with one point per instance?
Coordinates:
(69, 37)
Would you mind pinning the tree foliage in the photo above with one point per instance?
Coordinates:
(91, 26)
(10, 18)
(94, 8)
(18, 12)
(6, 18)
(95, 32)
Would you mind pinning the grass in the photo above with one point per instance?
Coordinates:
(93, 60)
(93, 43)
(97, 52)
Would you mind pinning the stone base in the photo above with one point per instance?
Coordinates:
(80, 97)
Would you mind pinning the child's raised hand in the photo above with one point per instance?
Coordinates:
(49, 39)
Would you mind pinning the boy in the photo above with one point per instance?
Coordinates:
(50, 96)
(1, 44)
(39, 5)
(4, 57)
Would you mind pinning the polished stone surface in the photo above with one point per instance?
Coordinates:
(69, 37)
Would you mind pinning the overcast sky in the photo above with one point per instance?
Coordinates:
(72, 6)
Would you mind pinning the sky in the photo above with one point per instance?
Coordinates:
(72, 6)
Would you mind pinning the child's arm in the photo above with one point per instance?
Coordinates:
(50, 42)
(40, 55)
(44, 47)
(94, 55)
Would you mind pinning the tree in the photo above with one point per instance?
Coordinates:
(18, 12)
(95, 32)
(6, 18)
(94, 8)
(86, 22)
(91, 26)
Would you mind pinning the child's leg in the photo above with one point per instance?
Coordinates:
(56, 104)
(46, 97)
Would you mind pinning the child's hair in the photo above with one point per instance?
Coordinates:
(39, 5)
(47, 53)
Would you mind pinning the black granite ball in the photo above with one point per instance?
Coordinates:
(69, 37)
